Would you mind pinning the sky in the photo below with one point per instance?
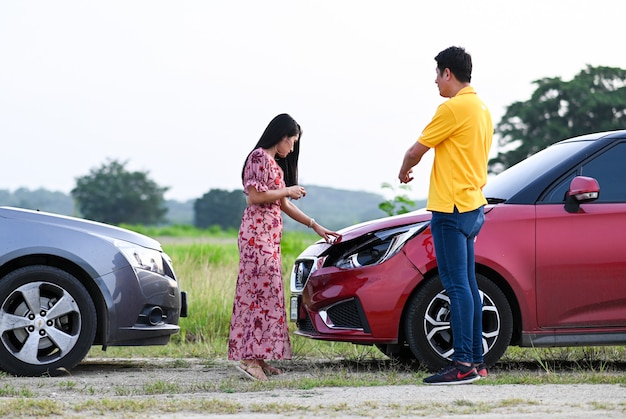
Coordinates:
(183, 89)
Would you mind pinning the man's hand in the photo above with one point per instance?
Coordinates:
(412, 156)
(405, 176)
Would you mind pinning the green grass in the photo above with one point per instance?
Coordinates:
(31, 408)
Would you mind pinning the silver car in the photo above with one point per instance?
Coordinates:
(67, 284)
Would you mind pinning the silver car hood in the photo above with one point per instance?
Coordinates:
(79, 224)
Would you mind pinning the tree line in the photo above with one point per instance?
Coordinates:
(594, 100)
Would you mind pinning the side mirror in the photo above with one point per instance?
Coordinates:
(582, 189)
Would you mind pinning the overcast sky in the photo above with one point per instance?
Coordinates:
(184, 89)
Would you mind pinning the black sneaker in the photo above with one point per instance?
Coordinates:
(454, 373)
(481, 369)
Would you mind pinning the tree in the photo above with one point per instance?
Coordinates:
(113, 195)
(219, 207)
(400, 204)
(39, 199)
(594, 100)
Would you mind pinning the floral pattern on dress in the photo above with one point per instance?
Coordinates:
(258, 326)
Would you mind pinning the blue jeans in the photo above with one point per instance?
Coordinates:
(453, 236)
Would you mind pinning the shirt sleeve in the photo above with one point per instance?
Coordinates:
(439, 128)
(257, 171)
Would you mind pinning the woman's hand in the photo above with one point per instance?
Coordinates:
(328, 235)
(296, 192)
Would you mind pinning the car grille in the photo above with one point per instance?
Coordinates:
(306, 325)
(345, 315)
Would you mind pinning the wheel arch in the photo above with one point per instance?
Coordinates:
(427, 276)
(506, 289)
(75, 270)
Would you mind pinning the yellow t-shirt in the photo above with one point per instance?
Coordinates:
(461, 133)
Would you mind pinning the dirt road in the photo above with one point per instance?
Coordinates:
(195, 388)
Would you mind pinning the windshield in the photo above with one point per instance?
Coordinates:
(508, 183)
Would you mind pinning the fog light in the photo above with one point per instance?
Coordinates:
(155, 316)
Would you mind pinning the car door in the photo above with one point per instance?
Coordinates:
(581, 257)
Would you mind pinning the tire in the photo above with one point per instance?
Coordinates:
(47, 321)
(427, 323)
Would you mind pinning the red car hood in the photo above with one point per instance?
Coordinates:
(412, 217)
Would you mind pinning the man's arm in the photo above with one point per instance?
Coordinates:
(412, 156)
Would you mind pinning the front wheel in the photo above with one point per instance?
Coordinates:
(427, 325)
(47, 321)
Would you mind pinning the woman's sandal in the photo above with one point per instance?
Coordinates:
(253, 372)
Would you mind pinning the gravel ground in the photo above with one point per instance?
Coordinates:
(195, 388)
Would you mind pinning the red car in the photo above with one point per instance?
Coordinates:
(550, 263)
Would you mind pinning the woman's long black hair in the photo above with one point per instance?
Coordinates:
(281, 126)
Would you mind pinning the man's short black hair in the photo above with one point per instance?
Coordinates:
(458, 61)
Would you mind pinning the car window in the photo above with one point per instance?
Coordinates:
(607, 168)
(509, 182)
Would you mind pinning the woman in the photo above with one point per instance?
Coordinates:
(258, 327)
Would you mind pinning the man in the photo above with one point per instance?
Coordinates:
(461, 133)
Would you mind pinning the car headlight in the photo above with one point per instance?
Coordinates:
(141, 257)
(375, 248)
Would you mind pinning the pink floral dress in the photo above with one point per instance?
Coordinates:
(258, 326)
